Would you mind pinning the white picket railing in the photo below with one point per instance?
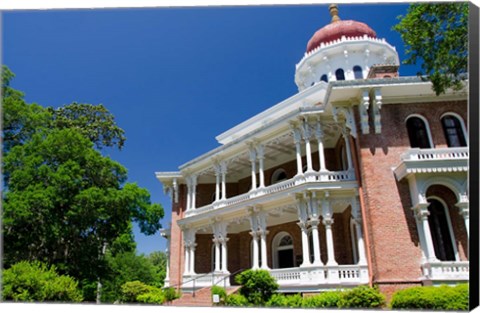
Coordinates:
(323, 177)
(448, 270)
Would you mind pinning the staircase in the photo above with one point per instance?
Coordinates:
(203, 297)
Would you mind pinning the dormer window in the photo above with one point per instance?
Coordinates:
(357, 72)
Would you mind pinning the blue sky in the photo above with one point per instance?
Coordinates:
(174, 78)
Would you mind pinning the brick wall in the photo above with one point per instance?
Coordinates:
(393, 234)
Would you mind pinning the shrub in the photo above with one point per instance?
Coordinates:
(361, 297)
(35, 281)
(257, 286)
(236, 300)
(154, 297)
(438, 298)
(132, 289)
(327, 299)
(170, 294)
(217, 290)
(277, 300)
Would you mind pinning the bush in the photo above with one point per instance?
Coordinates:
(35, 281)
(132, 289)
(437, 298)
(217, 290)
(361, 297)
(279, 300)
(236, 300)
(327, 299)
(170, 294)
(257, 286)
(154, 297)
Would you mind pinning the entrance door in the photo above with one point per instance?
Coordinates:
(285, 258)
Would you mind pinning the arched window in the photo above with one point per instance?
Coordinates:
(453, 130)
(278, 176)
(440, 229)
(282, 246)
(324, 78)
(339, 74)
(418, 133)
(357, 72)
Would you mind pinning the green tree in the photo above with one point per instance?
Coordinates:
(436, 35)
(35, 281)
(64, 201)
(159, 261)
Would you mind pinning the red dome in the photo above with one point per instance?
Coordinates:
(338, 29)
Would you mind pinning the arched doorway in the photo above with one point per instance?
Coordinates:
(283, 252)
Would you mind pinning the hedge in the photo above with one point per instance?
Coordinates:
(436, 298)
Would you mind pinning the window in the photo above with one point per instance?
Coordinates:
(278, 176)
(418, 133)
(453, 131)
(324, 78)
(339, 74)
(357, 72)
(282, 246)
(438, 221)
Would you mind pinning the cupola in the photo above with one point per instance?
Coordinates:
(342, 50)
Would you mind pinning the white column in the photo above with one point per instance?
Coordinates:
(346, 136)
(321, 151)
(330, 247)
(305, 245)
(217, 254)
(261, 157)
(224, 255)
(253, 160)
(224, 186)
(297, 139)
(189, 193)
(263, 240)
(422, 214)
(316, 242)
(192, 259)
(360, 244)
(465, 213)
(186, 263)
(217, 182)
(255, 250)
(308, 151)
(194, 191)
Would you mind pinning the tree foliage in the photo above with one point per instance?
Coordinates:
(64, 201)
(436, 34)
(35, 281)
(257, 286)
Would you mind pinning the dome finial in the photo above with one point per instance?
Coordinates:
(334, 13)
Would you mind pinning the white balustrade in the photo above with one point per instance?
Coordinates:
(453, 270)
(327, 176)
(436, 154)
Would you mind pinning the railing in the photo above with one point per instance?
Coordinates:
(452, 270)
(436, 154)
(311, 275)
(322, 177)
(200, 278)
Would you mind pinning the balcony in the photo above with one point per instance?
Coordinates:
(312, 180)
(432, 161)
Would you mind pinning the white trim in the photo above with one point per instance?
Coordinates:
(449, 223)
(427, 126)
(462, 123)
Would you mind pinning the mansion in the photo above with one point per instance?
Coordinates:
(360, 178)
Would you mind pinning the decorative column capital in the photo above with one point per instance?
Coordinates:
(260, 151)
(328, 222)
(314, 222)
(303, 225)
(421, 210)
